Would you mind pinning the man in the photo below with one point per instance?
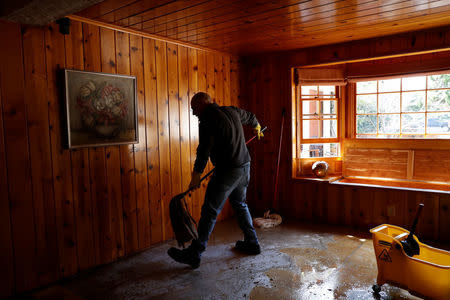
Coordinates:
(222, 140)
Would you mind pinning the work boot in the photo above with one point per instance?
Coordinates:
(248, 247)
(186, 256)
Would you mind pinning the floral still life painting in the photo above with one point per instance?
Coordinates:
(100, 108)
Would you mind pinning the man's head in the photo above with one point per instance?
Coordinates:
(199, 102)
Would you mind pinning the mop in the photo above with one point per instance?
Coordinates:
(271, 220)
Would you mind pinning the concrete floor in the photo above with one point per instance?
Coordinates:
(298, 261)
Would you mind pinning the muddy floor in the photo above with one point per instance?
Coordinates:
(298, 261)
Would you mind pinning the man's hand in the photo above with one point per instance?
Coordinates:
(195, 180)
(258, 132)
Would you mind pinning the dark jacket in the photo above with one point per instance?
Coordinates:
(222, 137)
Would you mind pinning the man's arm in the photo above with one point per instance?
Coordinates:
(247, 118)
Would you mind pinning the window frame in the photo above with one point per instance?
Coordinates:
(400, 135)
(298, 101)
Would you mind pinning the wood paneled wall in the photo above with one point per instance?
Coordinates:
(412, 164)
(365, 207)
(431, 41)
(267, 87)
(64, 211)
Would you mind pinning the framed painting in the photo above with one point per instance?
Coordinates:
(101, 109)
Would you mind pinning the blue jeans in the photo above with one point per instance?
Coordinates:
(232, 184)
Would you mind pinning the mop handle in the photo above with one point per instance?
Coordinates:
(275, 193)
(416, 219)
(210, 172)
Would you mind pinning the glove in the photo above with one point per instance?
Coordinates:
(195, 180)
(257, 131)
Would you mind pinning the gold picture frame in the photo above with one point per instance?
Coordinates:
(101, 109)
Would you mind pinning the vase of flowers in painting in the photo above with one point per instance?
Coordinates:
(103, 108)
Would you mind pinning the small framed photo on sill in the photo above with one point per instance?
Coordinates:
(101, 109)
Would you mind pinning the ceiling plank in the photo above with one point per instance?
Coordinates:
(255, 26)
(140, 33)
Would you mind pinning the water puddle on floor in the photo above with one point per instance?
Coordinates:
(343, 269)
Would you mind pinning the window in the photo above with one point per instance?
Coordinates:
(406, 107)
(317, 131)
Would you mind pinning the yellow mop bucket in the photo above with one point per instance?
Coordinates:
(426, 274)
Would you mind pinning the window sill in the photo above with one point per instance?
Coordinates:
(404, 185)
(417, 186)
(328, 179)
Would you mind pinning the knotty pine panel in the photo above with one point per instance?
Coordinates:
(92, 206)
(142, 201)
(80, 165)
(432, 165)
(40, 154)
(174, 120)
(201, 86)
(184, 108)
(382, 163)
(193, 72)
(444, 217)
(163, 128)
(62, 177)
(127, 156)
(113, 208)
(365, 208)
(91, 49)
(20, 194)
(6, 254)
(152, 150)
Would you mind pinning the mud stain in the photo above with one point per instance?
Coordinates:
(284, 286)
(342, 269)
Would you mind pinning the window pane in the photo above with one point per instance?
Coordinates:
(438, 100)
(413, 101)
(420, 110)
(309, 90)
(327, 91)
(366, 104)
(438, 123)
(319, 150)
(329, 129)
(439, 81)
(389, 124)
(414, 83)
(366, 124)
(389, 85)
(310, 107)
(413, 123)
(365, 87)
(329, 107)
(313, 130)
(389, 103)
(310, 129)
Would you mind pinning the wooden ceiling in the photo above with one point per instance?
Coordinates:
(254, 26)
